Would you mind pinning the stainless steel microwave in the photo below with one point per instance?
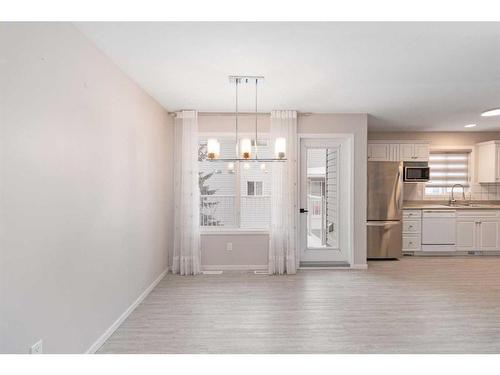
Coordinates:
(416, 172)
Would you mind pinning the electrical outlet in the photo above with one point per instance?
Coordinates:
(37, 348)
(229, 246)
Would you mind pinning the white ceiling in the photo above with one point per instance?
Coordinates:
(408, 76)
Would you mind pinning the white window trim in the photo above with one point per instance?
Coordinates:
(213, 231)
(472, 170)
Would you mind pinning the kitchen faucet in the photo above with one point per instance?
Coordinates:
(452, 201)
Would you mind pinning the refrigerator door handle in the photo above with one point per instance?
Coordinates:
(382, 223)
(399, 196)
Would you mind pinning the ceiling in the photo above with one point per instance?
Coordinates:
(407, 76)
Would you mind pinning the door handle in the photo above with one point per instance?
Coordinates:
(303, 210)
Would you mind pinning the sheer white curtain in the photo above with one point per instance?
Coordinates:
(186, 260)
(283, 229)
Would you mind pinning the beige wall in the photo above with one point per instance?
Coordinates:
(253, 249)
(85, 169)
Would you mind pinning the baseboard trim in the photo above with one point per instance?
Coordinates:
(235, 267)
(102, 339)
(337, 268)
(359, 267)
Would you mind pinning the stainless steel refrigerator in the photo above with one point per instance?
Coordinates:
(385, 201)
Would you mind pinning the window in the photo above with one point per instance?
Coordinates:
(254, 187)
(234, 195)
(447, 169)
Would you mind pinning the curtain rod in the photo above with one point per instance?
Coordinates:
(240, 113)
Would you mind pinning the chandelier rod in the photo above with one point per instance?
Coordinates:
(237, 146)
(256, 141)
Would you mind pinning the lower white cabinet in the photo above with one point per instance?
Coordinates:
(411, 242)
(478, 231)
(488, 235)
(466, 234)
(412, 223)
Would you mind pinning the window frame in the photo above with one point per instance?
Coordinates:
(255, 190)
(470, 168)
(222, 230)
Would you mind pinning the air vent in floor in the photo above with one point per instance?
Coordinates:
(212, 272)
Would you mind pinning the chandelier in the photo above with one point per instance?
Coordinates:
(244, 151)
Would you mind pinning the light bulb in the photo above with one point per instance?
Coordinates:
(280, 148)
(245, 148)
(491, 112)
(213, 148)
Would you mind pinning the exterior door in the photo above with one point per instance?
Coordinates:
(325, 179)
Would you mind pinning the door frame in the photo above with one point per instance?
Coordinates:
(349, 140)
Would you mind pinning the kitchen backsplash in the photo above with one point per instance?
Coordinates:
(485, 192)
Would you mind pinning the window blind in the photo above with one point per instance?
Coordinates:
(448, 168)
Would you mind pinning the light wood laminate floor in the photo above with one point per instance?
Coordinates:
(415, 305)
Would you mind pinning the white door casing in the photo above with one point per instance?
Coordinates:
(342, 252)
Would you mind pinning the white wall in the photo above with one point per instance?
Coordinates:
(253, 249)
(85, 170)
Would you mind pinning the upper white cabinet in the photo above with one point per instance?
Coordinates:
(378, 152)
(407, 152)
(397, 151)
(488, 162)
(421, 152)
(414, 152)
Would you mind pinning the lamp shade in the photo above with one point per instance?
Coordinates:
(280, 148)
(213, 148)
(245, 148)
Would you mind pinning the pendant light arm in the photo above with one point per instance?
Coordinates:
(236, 111)
(256, 139)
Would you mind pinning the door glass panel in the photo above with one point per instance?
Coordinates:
(322, 198)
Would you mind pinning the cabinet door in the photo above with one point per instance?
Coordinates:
(411, 243)
(488, 235)
(466, 235)
(407, 152)
(487, 163)
(378, 151)
(394, 152)
(497, 163)
(421, 152)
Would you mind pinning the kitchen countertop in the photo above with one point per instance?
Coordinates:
(415, 205)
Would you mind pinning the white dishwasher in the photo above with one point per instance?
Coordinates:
(438, 230)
